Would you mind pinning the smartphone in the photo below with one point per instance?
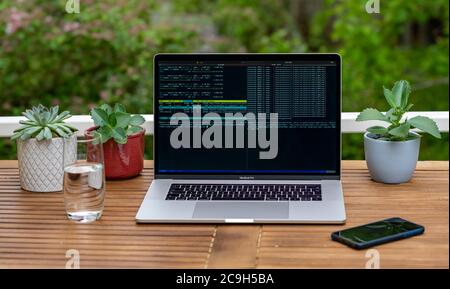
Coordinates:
(377, 233)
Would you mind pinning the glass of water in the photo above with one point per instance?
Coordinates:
(84, 179)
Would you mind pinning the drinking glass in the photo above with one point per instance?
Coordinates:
(84, 179)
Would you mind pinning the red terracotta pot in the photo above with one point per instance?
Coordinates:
(123, 161)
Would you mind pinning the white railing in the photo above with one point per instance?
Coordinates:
(349, 124)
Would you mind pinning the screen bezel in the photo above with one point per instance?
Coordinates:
(247, 57)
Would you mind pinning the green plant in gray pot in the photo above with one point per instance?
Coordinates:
(392, 151)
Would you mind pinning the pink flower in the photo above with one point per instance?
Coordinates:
(7, 106)
(71, 26)
(119, 92)
(16, 21)
(104, 95)
(55, 101)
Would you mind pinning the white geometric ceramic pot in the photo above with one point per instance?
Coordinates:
(41, 163)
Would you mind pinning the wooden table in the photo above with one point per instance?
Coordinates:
(34, 231)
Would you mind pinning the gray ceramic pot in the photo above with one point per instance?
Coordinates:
(391, 162)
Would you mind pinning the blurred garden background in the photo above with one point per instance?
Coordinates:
(104, 54)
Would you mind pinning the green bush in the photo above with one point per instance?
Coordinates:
(104, 54)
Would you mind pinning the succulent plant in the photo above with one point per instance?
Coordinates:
(43, 124)
(115, 123)
(398, 129)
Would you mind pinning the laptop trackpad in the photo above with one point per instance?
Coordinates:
(247, 210)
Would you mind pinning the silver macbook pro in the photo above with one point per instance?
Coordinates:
(246, 138)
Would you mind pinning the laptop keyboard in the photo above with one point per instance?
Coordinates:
(266, 192)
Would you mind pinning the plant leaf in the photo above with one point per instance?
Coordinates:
(65, 125)
(22, 128)
(106, 108)
(377, 129)
(32, 130)
(112, 120)
(119, 108)
(61, 133)
(123, 119)
(134, 129)
(408, 107)
(406, 94)
(137, 120)
(62, 116)
(105, 133)
(25, 136)
(401, 91)
(29, 114)
(38, 118)
(54, 113)
(97, 137)
(27, 122)
(425, 124)
(45, 117)
(389, 97)
(60, 130)
(40, 135)
(47, 133)
(16, 135)
(401, 131)
(119, 135)
(99, 116)
(390, 115)
(371, 114)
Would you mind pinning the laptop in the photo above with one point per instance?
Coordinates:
(246, 138)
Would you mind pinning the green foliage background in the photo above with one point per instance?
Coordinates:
(104, 54)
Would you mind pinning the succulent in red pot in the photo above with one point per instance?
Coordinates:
(123, 140)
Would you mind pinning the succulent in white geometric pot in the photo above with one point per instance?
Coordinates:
(40, 148)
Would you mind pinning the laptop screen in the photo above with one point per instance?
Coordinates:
(247, 114)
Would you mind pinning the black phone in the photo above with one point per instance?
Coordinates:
(377, 233)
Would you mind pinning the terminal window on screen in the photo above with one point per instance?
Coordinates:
(304, 94)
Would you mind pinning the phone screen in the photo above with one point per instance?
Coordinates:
(378, 230)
